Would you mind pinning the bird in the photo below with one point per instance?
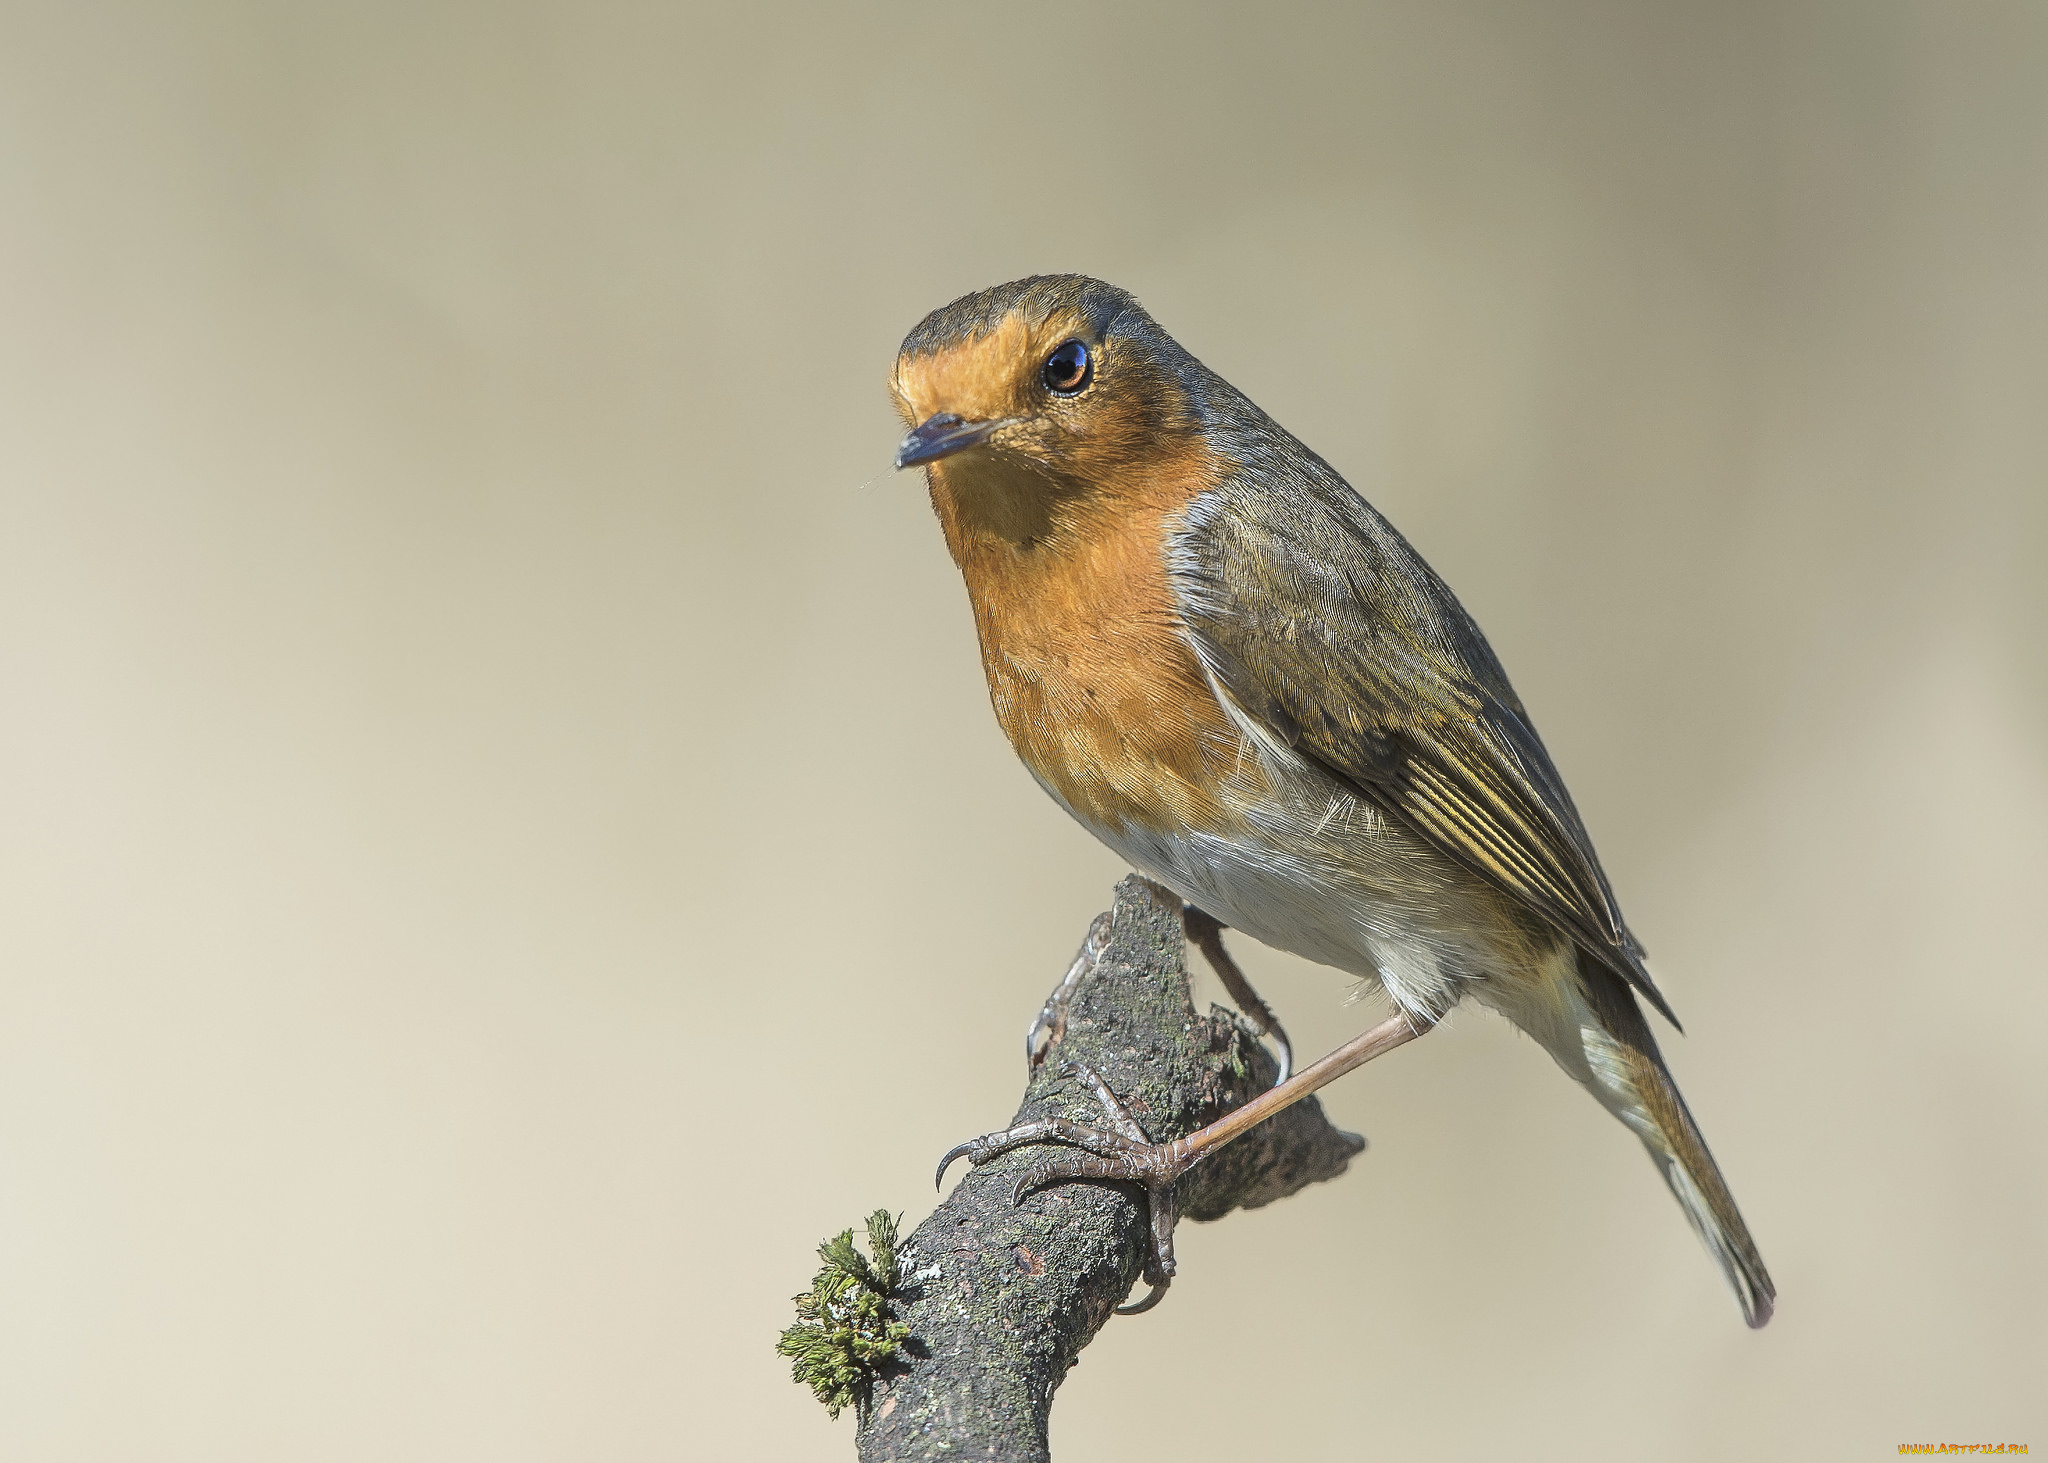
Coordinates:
(1224, 663)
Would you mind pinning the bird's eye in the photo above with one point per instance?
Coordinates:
(1069, 369)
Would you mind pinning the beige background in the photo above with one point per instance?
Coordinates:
(502, 841)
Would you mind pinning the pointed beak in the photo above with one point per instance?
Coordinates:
(942, 435)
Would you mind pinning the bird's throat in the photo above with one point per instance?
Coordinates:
(1089, 665)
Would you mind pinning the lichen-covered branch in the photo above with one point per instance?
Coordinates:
(999, 1298)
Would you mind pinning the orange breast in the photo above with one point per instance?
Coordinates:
(1088, 665)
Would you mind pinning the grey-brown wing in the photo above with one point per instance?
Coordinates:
(1322, 621)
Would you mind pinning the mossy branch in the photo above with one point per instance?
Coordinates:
(967, 1335)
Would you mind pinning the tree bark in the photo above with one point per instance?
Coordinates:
(1000, 1298)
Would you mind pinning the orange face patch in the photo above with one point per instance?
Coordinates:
(984, 377)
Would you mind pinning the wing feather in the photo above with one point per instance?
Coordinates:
(1321, 621)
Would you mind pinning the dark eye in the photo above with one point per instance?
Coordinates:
(1069, 369)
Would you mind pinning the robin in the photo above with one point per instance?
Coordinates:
(1228, 667)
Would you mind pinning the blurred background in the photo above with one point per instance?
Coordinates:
(503, 845)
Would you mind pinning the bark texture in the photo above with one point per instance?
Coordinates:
(1000, 1298)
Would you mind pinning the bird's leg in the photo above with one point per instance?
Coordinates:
(1051, 1021)
(1123, 1152)
(1207, 933)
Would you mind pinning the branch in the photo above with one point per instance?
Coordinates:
(1000, 1298)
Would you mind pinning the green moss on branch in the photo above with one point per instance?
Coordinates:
(845, 1332)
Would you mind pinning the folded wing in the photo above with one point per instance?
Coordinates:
(1321, 622)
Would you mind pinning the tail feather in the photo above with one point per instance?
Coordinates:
(1630, 1078)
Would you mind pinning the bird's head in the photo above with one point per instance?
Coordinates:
(1050, 391)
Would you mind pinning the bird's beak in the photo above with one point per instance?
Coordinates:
(942, 435)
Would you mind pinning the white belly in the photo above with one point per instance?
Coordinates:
(1309, 868)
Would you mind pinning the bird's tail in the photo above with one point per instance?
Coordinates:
(1616, 1057)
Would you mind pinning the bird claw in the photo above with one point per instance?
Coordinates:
(1121, 1153)
(1051, 1020)
(1152, 1298)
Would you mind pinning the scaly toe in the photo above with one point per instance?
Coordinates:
(1094, 1166)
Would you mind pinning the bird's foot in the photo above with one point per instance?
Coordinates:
(1123, 1151)
(1050, 1024)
